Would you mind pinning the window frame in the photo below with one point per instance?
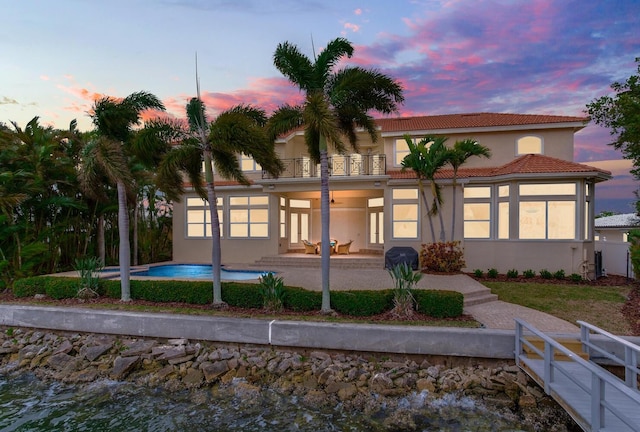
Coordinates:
(251, 209)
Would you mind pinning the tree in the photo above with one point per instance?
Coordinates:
(109, 154)
(621, 113)
(458, 156)
(426, 158)
(238, 130)
(335, 104)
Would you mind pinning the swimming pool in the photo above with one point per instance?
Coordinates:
(196, 271)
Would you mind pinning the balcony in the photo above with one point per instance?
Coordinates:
(339, 166)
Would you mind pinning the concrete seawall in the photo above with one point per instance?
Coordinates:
(447, 341)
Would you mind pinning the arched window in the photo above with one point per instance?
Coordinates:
(529, 145)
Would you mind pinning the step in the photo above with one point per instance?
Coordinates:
(573, 345)
(481, 298)
(316, 262)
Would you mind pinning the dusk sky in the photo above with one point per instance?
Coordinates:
(451, 56)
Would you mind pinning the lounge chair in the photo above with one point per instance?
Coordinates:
(343, 248)
(310, 248)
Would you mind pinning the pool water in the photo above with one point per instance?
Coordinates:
(198, 271)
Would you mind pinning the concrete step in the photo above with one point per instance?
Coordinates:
(312, 261)
(472, 299)
(573, 345)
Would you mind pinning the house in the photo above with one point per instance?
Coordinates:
(527, 207)
(612, 243)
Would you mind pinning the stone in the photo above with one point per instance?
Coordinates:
(214, 370)
(165, 372)
(65, 347)
(168, 352)
(61, 361)
(92, 353)
(180, 360)
(380, 382)
(122, 366)
(426, 384)
(181, 341)
(137, 348)
(193, 378)
(527, 401)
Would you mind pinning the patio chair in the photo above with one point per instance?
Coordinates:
(343, 249)
(310, 248)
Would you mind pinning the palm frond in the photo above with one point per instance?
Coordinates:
(283, 120)
(196, 115)
(294, 65)
(329, 57)
(228, 166)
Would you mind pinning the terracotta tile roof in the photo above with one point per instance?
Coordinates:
(472, 120)
(527, 164)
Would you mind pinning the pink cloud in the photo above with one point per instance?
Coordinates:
(44, 78)
(353, 27)
(358, 11)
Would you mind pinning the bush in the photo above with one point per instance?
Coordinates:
(492, 273)
(478, 273)
(575, 277)
(439, 304)
(272, 291)
(513, 273)
(28, 287)
(528, 274)
(244, 295)
(89, 270)
(405, 280)
(55, 287)
(545, 274)
(362, 303)
(445, 257)
(301, 300)
(559, 275)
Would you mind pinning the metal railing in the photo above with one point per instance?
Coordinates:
(339, 165)
(630, 360)
(595, 387)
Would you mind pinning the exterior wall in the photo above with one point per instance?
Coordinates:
(523, 255)
(612, 234)
(615, 258)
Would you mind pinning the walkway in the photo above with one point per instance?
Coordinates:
(490, 312)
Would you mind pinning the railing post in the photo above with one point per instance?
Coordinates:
(630, 365)
(584, 338)
(597, 408)
(548, 367)
(518, 342)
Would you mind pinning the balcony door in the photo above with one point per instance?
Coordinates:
(375, 210)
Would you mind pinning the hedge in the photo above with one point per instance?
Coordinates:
(439, 303)
(435, 303)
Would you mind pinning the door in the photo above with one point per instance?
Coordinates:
(375, 208)
(299, 222)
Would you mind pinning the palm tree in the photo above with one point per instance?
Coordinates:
(240, 129)
(458, 155)
(109, 154)
(335, 104)
(426, 158)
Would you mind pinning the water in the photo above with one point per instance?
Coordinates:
(195, 271)
(28, 404)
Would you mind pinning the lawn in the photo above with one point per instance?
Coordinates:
(597, 305)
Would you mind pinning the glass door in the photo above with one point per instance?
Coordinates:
(299, 222)
(375, 208)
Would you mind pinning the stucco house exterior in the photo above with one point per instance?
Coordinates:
(529, 206)
(611, 237)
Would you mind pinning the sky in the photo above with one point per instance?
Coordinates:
(451, 57)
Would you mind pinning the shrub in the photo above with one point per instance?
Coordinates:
(478, 273)
(559, 275)
(244, 295)
(439, 304)
(272, 291)
(528, 274)
(404, 279)
(362, 303)
(442, 257)
(28, 287)
(492, 273)
(301, 300)
(513, 273)
(89, 272)
(545, 274)
(575, 277)
(170, 291)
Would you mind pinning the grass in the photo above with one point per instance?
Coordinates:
(597, 305)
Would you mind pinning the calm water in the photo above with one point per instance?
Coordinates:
(27, 404)
(195, 271)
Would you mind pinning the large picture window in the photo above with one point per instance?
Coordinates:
(547, 211)
(249, 216)
(405, 213)
(199, 218)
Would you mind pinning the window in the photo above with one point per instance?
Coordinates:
(401, 150)
(248, 164)
(550, 213)
(529, 145)
(283, 217)
(503, 212)
(477, 212)
(199, 218)
(405, 213)
(249, 216)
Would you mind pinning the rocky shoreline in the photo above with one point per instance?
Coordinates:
(355, 381)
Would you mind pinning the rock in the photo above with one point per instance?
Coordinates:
(380, 382)
(92, 353)
(122, 366)
(193, 378)
(137, 348)
(214, 370)
(35, 337)
(165, 372)
(246, 391)
(62, 361)
(168, 352)
(181, 341)
(527, 401)
(426, 384)
(65, 347)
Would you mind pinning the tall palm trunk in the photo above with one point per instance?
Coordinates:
(426, 205)
(325, 246)
(124, 255)
(436, 203)
(135, 233)
(453, 210)
(216, 253)
(100, 240)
